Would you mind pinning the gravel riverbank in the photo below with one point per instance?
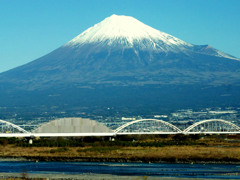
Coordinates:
(13, 176)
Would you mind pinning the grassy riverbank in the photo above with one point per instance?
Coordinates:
(178, 148)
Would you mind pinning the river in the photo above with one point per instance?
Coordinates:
(206, 171)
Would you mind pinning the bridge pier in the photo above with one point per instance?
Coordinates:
(111, 138)
(30, 139)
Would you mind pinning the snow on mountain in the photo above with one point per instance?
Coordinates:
(128, 31)
(206, 49)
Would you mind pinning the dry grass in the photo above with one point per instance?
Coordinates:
(173, 153)
(203, 149)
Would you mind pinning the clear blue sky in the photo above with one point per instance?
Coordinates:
(30, 29)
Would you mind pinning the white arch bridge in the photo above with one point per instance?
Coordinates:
(155, 126)
(137, 127)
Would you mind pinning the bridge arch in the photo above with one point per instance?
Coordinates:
(156, 126)
(212, 125)
(6, 127)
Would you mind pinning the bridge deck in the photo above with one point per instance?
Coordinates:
(31, 135)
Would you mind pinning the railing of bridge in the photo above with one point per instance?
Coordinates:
(147, 126)
(7, 127)
(212, 125)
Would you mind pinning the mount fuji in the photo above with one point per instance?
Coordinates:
(123, 62)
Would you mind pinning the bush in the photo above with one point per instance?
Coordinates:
(62, 149)
(98, 149)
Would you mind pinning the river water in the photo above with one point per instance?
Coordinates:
(218, 171)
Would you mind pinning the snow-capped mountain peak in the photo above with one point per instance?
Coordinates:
(128, 31)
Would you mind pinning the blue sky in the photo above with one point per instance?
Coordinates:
(30, 29)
